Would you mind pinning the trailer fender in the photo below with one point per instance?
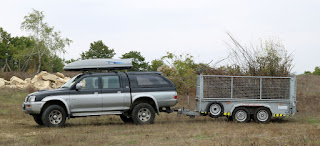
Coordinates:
(249, 105)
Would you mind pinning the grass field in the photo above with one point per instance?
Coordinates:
(18, 128)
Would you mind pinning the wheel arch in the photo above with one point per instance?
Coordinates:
(58, 101)
(146, 99)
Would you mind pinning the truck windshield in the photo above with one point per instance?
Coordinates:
(71, 82)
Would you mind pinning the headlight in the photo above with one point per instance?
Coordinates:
(32, 98)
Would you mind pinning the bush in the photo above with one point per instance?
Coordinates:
(269, 59)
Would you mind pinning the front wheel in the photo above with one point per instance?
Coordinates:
(143, 113)
(37, 119)
(241, 115)
(54, 116)
(262, 115)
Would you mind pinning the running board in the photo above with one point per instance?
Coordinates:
(96, 113)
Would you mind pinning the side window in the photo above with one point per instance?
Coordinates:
(152, 81)
(90, 83)
(110, 82)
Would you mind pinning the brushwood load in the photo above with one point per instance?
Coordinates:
(242, 98)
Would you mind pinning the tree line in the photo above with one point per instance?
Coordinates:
(38, 51)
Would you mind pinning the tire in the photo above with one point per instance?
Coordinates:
(54, 116)
(262, 115)
(143, 113)
(126, 119)
(37, 119)
(241, 115)
(215, 109)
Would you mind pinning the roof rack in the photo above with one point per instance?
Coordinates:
(99, 64)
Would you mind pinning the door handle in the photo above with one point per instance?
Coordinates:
(95, 93)
(118, 91)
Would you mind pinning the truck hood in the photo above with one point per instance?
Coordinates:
(49, 92)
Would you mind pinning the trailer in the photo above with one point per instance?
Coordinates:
(242, 98)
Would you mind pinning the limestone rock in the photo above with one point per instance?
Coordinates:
(42, 85)
(16, 81)
(11, 86)
(60, 82)
(27, 80)
(60, 75)
(66, 79)
(35, 79)
(50, 77)
(2, 82)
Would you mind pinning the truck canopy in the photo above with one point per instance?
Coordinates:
(99, 64)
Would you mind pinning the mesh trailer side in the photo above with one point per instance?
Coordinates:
(216, 87)
(246, 87)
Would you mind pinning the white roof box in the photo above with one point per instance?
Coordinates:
(98, 64)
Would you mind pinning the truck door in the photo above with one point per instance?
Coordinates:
(88, 98)
(112, 92)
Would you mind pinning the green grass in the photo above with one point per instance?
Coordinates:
(312, 120)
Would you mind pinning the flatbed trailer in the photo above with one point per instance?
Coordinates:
(243, 98)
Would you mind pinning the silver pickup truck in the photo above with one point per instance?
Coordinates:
(135, 96)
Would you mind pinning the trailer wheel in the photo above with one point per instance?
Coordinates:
(215, 109)
(143, 113)
(262, 115)
(241, 115)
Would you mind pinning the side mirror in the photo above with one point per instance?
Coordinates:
(79, 86)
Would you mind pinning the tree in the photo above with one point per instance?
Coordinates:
(4, 46)
(316, 70)
(269, 59)
(98, 50)
(155, 64)
(138, 62)
(47, 41)
(307, 73)
(182, 71)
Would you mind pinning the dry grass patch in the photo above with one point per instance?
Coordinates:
(18, 128)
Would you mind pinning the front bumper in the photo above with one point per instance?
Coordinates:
(32, 107)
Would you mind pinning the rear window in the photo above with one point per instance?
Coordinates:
(151, 81)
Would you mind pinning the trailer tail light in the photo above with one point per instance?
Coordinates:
(175, 97)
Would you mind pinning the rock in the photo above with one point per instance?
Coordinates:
(11, 86)
(27, 80)
(2, 82)
(42, 85)
(35, 79)
(50, 77)
(66, 79)
(60, 82)
(16, 81)
(60, 75)
(42, 73)
(20, 86)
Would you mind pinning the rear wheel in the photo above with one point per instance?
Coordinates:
(143, 113)
(37, 119)
(126, 119)
(262, 115)
(241, 115)
(54, 116)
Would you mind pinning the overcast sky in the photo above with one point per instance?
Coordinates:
(197, 27)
